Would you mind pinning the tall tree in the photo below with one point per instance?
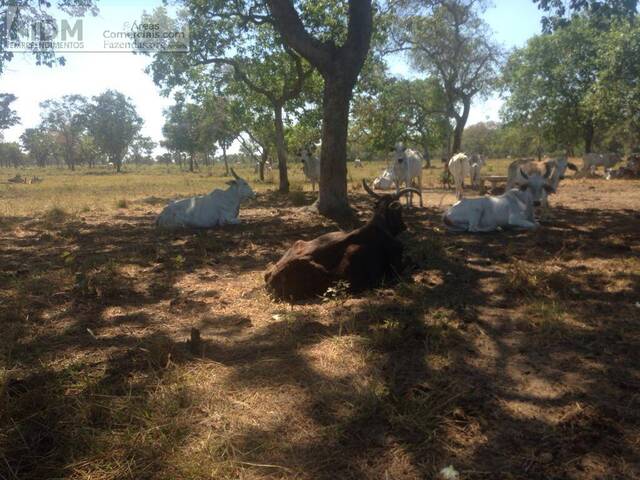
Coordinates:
(330, 36)
(66, 117)
(449, 40)
(113, 123)
(552, 97)
(339, 56)
(615, 95)
(225, 50)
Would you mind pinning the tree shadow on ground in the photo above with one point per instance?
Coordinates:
(464, 365)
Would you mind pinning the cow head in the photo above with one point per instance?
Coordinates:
(306, 153)
(244, 190)
(537, 185)
(562, 164)
(398, 152)
(388, 210)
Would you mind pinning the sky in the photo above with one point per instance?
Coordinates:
(89, 74)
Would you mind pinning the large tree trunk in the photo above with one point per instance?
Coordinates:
(191, 162)
(332, 199)
(339, 66)
(281, 150)
(461, 122)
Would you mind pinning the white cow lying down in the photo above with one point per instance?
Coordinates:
(220, 207)
(384, 181)
(513, 209)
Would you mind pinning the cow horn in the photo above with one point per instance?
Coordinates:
(369, 191)
(524, 175)
(235, 175)
(406, 190)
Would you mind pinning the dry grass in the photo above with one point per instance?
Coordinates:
(490, 354)
(104, 191)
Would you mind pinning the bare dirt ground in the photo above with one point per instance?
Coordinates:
(507, 355)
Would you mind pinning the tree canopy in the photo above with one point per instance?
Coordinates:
(114, 123)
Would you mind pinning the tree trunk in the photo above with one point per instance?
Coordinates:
(191, 162)
(224, 158)
(332, 200)
(588, 136)
(264, 156)
(281, 149)
(461, 122)
(427, 157)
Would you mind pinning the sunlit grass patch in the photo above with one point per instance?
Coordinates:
(545, 317)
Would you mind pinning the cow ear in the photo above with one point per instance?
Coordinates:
(572, 166)
(524, 187)
(231, 182)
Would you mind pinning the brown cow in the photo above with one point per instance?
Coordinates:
(364, 257)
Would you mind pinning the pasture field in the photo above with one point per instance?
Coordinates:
(507, 355)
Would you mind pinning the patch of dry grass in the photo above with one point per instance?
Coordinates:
(97, 379)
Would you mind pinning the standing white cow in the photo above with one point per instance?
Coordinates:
(513, 209)
(460, 168)
(407, 167)
(220, 207)
(310, 164)
(384, 181)
(357, 163)
(476, 162)
(591, 161)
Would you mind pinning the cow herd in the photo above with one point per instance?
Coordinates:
(371, 255)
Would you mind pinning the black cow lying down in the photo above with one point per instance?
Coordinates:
(364, 257)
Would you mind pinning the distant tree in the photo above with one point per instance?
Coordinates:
(182, 129)
(481, 138)
(141, 150)
(32, 17)
(40, 144)
(411, 111)
(164, 158)
(8, 116)
(11, 155)
(450, 41)
(66, 117)
(89, 153)
(114, 123)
